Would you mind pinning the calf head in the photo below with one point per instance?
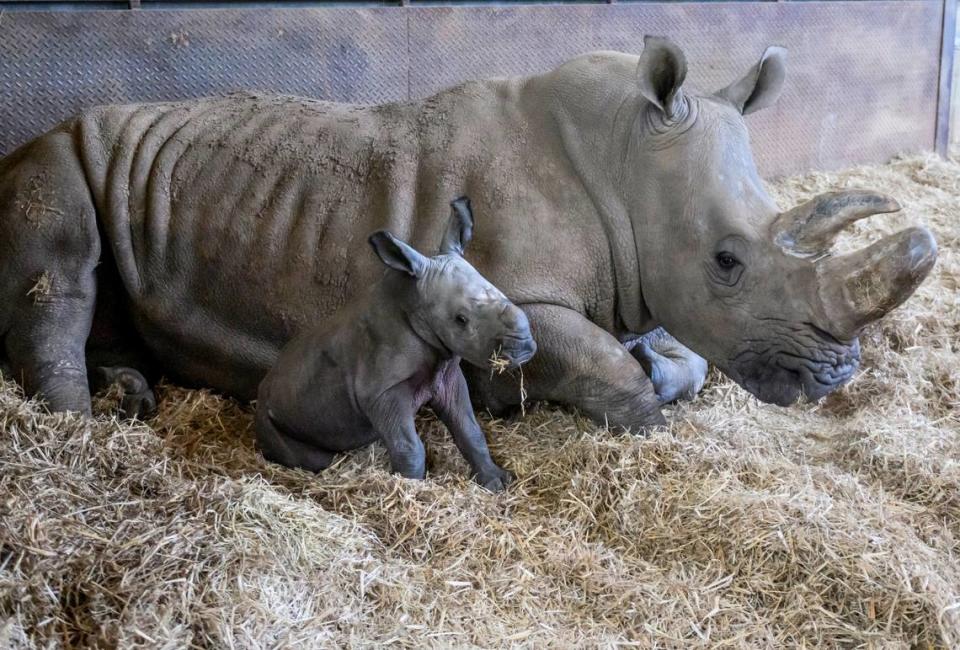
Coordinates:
(753, 289)
(450, 304)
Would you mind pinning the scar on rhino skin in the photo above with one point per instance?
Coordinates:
(42, 287)
(35, 207)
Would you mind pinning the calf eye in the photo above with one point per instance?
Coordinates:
(461, 319)
(726, 261)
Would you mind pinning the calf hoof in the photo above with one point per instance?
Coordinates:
(495, 479)
(137, 400)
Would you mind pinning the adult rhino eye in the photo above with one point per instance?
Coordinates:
(461, 319)
(726, 261)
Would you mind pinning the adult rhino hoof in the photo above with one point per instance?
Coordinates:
(675, 371)
(495, 479)
(137, 400)
(138, 406)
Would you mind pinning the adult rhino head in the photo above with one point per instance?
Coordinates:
(752, 288)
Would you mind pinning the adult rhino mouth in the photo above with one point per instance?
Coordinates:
(807, 365)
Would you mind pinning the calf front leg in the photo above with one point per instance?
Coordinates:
(392, 417)
(455, 410)
(580, 365)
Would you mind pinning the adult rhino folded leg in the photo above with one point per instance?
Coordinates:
(577, 364)
(48, 292)
(677, 372)
(45, 348)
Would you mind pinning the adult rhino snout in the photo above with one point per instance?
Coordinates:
(516, 342)
(807, 345)
(797, 362)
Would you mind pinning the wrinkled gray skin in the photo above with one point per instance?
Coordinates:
(364, 374)
(199, 237)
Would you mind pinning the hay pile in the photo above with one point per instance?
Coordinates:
(745, 525)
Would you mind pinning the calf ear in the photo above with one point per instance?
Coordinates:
(660, 73)
(397, 254)
(460, 229)
(761, 86)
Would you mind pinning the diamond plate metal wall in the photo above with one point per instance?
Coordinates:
(862, 77)
(54, 63)
(862, 81)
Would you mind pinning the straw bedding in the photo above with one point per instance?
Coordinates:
(744, 525)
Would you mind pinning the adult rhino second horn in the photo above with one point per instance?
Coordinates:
(810, 228)
(859, 288)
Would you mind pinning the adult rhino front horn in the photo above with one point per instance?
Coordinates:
(860, 287)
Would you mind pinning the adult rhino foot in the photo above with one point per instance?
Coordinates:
(675, 370)
(495, 479)
(137, 399)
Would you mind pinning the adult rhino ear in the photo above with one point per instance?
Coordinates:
(761, 86)
(660, 74)
(397, 254)
(460, 229)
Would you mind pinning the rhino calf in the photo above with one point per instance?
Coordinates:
(363, 375)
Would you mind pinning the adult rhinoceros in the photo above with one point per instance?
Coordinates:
(203, 234)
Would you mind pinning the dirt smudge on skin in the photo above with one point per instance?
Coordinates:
(42, 288)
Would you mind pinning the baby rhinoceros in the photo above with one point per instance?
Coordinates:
(364, 375)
